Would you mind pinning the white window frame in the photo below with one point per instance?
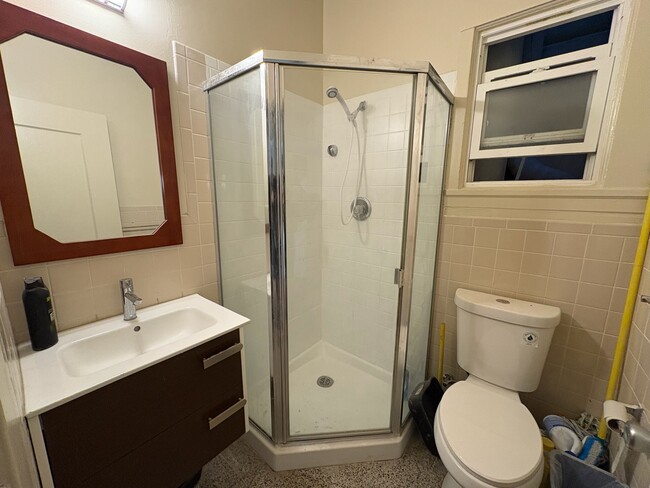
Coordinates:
(593, 116)
(603, 58)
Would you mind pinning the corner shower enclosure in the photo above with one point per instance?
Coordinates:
(328, 175)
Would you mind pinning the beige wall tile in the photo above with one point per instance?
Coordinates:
(107, 271)
(589, 318)
(192, 279)
(464, 235)
(599, 272)
(527, 224)
(537, 264)
(485, 257)
(190, 257)
(69, 276)
(202, 169)
(629, 249)
(563, 290)
(532, 285)
(13, 281)
(605, 247)
(459, 272)
(509, 260)
(486, 237)
(73, 309)
(107, 300)
(497, 223)
(623, 275)
(581, 362)
(571, 227)
(613, 323)
(481, 276)
(539, 242)
(209, 255)
(584, 340)
(617, 230)
(505, 281)
(597, 296)
(447, 220)
(461, 254)
(572, 245)
(512, 240)
(618, 299)
(565, 268)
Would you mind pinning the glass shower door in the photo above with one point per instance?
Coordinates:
(241, 192)
(346, 138)
(432, 165)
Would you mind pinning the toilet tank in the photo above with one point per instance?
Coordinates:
(502, 340)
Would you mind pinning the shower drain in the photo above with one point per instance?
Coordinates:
(324, 381)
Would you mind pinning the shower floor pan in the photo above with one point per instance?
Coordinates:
(358, 400)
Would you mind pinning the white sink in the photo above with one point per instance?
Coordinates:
(131, 339)
(91, 356)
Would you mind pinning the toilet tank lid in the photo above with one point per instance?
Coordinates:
(510, 310)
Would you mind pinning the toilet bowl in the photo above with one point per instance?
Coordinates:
(485, 436)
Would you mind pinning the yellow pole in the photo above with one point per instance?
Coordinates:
(441, 350)
(628, 311)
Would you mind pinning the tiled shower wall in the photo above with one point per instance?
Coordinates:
(584, 269)
(359, 259)
(303, 127)
(84, 290)
(635, 384)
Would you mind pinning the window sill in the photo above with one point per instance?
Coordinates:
(574, 203)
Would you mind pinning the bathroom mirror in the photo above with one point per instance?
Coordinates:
(87, 159)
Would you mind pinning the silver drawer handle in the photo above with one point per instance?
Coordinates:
(214, 422)
(220, 356)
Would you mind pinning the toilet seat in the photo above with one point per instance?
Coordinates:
(489, 434)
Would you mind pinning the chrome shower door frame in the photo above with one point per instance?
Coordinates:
(271, 64)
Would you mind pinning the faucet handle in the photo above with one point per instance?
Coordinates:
(126, 284)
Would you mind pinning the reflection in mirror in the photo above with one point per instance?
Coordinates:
(87, 140)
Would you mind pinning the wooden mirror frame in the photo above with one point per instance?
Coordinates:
(29, 245)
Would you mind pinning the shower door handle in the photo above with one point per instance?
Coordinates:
(399, 277)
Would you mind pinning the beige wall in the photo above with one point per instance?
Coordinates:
(17, 468)
(442, 33)
(227, 29)
(581, 268)
(521, 258)
(635, 384)
(86, 289)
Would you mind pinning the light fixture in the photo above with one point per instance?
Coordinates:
(116, 5)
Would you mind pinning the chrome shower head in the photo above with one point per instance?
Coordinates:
(332, 92)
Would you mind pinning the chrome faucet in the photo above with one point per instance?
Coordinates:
(129, 299)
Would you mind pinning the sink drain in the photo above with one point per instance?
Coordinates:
(324, 381)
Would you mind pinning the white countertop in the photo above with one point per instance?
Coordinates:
(48, 384)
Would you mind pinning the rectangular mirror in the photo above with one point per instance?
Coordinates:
(87, 162)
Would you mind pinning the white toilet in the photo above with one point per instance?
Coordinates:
(485, 436)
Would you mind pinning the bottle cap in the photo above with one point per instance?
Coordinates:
(34, 282)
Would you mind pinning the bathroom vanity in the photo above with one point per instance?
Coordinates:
(141, 403)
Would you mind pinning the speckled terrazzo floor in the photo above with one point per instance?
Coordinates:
(240, 467)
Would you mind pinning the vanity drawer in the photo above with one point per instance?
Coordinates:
(92, 432)
(175, 455)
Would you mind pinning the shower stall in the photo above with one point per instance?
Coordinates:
(328, 174)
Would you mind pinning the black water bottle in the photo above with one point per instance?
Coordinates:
(40, 315)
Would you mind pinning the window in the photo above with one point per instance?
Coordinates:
(542, 95)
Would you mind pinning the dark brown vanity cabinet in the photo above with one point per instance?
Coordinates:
(154, 428)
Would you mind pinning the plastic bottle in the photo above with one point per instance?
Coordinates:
(40, 315)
